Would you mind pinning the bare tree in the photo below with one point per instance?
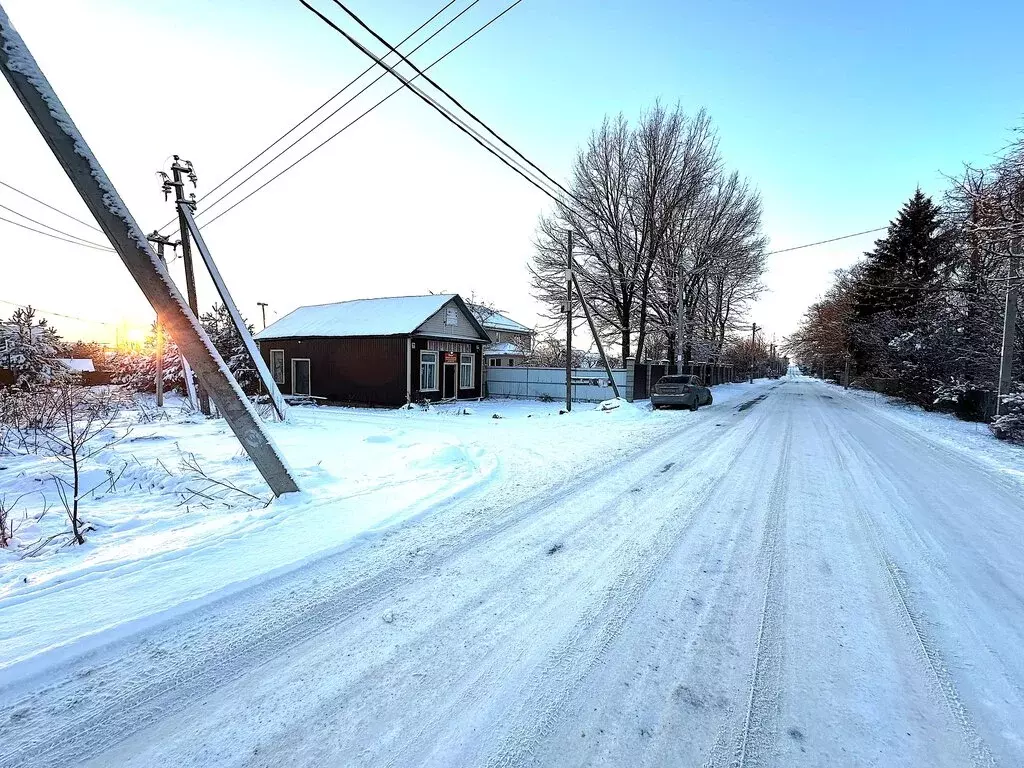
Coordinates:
(85, 416)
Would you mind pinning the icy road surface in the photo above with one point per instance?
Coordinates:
(800, 580)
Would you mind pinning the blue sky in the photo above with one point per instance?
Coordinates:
(835, 110)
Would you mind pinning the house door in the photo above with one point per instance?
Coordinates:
(300, 376)
(451, 372)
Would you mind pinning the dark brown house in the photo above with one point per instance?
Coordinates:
(378, 351)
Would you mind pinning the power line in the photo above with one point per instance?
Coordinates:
(56, 314)
(54, 229)
(460, 124)
(333, 113)
(55, 237)
(823, 242)
(51, 207)
(447, 114)
(337, 93)
(359, 117)
(460, 105)
(489, 147)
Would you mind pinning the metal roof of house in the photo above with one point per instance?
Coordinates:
(393, 316)
(504, 349)
(500, 322)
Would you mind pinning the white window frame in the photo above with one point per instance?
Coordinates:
(434, 363)
(273, 365)
(295, 378)
(470, 359)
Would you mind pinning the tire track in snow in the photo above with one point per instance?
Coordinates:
(587, 647)
(908, 616)
(555, 675)
(97, 715)
(760, 721)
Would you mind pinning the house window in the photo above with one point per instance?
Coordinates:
(451, 316)
(277, 364)
(511, 361)
(494, 362)
(428, 371)
(466, 371)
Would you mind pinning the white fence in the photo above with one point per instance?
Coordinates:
(589, 384)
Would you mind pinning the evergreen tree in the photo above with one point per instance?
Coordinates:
(30, 348)
(225, 337)
(908, 263)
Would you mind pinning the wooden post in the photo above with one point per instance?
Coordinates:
(160, 345)
(82, 167)
(568, 323)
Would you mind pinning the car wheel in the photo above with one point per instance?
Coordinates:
(695, 406)
(711, 399)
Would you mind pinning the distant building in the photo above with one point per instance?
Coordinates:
(386, 351)
(511, 342)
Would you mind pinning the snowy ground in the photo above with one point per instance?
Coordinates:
(796, 576)
(159, 548)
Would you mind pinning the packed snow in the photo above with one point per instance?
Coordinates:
(180, 515)
(797, 575)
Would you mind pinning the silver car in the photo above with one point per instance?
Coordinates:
(681, 390)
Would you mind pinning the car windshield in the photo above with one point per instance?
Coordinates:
(674, 380)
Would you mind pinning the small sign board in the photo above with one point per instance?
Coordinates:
(450, 358)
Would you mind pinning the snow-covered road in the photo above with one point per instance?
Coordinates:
(801, 579)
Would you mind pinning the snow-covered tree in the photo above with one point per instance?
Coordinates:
(225, 337)
(30, 349)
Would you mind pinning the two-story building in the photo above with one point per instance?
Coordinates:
(511, 342)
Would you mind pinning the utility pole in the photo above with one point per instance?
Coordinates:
(753, 351)
(177, 185)
(597, 340)
(161, 241)
(1010, 311)
(263, 308)
(568, 323)
(124, 234)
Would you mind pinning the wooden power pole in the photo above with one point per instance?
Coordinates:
(568, 323)
(753, 351)
(263, 308)
(69, 147)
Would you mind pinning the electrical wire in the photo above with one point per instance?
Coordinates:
(475, 118)
(337, 93)
(56, 314)
(55, 237)
(54, 229)
(47, 205)
(332, 114)
(823, 242)
(459, 104)
(357, 119)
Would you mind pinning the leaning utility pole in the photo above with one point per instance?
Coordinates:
(568, 323)
(753, 351)
(177, 185)
(263, 308)
(69, 147)
(1010, 313)
(593, 331)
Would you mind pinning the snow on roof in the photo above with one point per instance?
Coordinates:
(82, 365)
(505, 349)
(393, 316)
(500, 322)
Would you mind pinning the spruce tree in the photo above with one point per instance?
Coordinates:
(225, 337)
